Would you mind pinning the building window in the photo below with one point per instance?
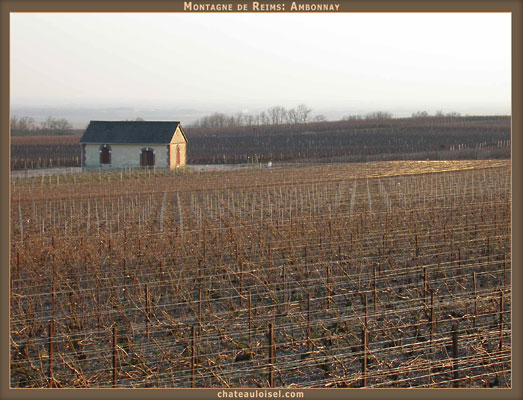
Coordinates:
(105, 154)
(147, 157)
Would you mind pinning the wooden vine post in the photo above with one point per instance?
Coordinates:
(459, 264)
(375, 290)
(114, 356)
(18, 264)
(193, 355)
(204, 242)
(425, 283)
(11, 294)
(50, 372)
(271, 355)
(364, 345)
(53, 292)
(199, 310)
(241, 284)
(431, 335)
(284, 276)
(329, 289)
(431, 319)
(309, 342)
(99, 314)
(500, 320)
(147, 311)
(474, 281)
(505, 270)
(455, 373)
(250, 320)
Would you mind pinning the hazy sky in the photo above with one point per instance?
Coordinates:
(458, 62)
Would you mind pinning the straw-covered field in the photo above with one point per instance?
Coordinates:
(390, 274)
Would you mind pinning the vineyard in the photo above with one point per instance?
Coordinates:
(31, 152)
(355, 141)
(389, 274)
(479, 137)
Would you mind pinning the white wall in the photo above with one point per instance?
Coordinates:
(125, 155)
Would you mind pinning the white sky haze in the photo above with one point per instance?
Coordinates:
(369, 61)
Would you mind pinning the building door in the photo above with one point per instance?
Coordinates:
(105, 154)
(177, 156)
(147, 157)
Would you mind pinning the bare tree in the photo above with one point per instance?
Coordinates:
(378, 115)
(239, 119)
(277, 114)
(319, 118)
(62, 124)
(292, 116)
(304, 113)
(48, 123)
(298, 115)
(420, 114)
(56, 124)
(274, 115)
(26, 124)
(216, 120)
(263, 119)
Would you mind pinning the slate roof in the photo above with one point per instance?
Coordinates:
(124, 132)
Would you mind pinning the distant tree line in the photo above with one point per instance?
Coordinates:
(439, 113)
(276, 115)
(374, 116)
(23, 126)
(279, 115)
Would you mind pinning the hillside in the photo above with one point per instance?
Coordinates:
(475, 137)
